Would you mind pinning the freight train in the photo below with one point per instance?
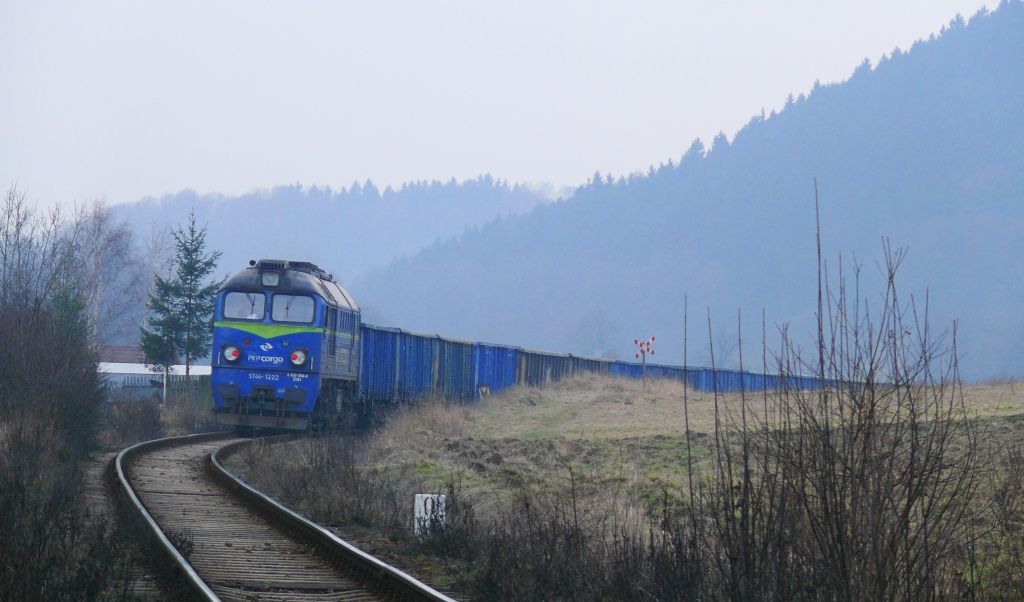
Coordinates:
(291, 352)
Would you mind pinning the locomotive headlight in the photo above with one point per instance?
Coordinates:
(298, 357)
(231, 353)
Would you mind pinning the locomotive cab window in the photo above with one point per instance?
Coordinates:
(244, 306)
(293, 308)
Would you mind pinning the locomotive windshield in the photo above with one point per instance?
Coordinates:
(244, 306)
(293, 308)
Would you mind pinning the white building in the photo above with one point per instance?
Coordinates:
(122, 367)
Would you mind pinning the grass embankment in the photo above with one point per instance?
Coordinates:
(614, 433)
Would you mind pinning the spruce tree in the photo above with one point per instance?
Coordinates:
(181, 306)
(159, 341)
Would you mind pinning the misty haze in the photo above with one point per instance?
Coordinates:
(581, 301)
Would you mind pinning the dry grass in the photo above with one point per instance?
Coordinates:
(128, 419)
(999, 399)
(600, 407)
(186, 414)
(617, 432)
(596, 407)
(434, 417)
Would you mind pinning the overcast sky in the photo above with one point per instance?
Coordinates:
(122, 100)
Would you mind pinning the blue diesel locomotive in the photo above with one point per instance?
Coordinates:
(285, 347)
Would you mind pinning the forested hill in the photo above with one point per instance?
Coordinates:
(347, 231)
(926, 148)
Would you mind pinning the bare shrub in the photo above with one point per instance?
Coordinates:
(187, 412)
(49, 399)
(128, 420)
(858, 489)
(327, 477)
(575, 542)
(61, 555)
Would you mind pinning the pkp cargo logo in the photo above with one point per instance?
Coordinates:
(266, 346)
(266, 359)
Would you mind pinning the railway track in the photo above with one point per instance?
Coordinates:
(225, 540)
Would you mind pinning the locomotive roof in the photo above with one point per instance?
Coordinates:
(296, 277)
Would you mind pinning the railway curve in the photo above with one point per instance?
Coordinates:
(226, 540)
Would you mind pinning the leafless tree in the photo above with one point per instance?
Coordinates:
(111, 272)
(156, 257)
(36, 252)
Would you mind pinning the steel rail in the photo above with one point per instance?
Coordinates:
(180, 565)
(393, 579)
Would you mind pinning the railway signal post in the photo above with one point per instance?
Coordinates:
(644, 348)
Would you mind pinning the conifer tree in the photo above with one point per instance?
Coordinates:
(181, 305)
